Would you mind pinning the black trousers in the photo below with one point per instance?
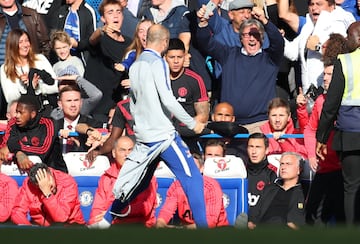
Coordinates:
(325, 200)
(350, 161)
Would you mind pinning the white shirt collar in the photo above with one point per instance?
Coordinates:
(73, 123)
(243, 51)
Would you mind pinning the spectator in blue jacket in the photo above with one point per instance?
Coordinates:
(249, 73)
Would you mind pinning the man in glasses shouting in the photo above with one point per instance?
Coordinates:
(249, 72)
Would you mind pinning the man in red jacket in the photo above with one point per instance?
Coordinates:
(141, 209)
(50, 196)
(280, 123)
(325, 201)
(8, 192)
(177, 200)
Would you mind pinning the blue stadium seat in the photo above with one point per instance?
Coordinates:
(234, 196)
(230, 172)
(87, 187)
(95, 4)
(19, 179)
(163, 186)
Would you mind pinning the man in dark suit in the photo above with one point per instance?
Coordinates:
(70, 102)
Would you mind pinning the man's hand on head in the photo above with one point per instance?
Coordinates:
(44, 181)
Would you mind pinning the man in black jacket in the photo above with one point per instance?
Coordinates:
(342, 104)
(260, 172)
(31, 134)
(282, 202)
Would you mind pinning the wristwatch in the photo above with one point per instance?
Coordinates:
(318, 47)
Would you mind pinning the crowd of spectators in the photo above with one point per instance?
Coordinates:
(71, 81)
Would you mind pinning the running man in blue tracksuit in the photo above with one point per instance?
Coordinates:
(152, 104)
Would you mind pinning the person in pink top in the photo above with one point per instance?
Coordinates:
(8, 192)
(176, 198)
(141, 209)
(49, 196)
(280, 123)
(327, 190)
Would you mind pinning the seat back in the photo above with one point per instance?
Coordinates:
(77, 164)
(231, 175)
(229, 166)
(307, 175)
(235, 197)
(12, 169)
(87, 186)
(95, 4)
(230, 172)
(274, 160)
(163, 171)
(19, 179)
(163, 186)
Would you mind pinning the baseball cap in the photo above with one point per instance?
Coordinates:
(239, 4)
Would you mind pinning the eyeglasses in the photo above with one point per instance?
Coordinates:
(253, 32)
(245, 35)
(248, 34)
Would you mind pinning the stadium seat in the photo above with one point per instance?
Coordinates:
(234, 197)
(307, 174)
(274, 160)
(95, 4)
(163, 171)
(78, 166)
(19, 179)
(12, 168)
(230, 172)
(229, 166)
(87, 186)
(163, 186)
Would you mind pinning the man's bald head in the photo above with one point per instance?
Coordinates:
(353, 36)
(223, 112)
(122, 148)
(158, 38)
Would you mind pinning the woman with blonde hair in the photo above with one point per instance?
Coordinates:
(136, 46)
(133, 51)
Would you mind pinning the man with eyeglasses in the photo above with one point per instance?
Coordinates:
(249, 73)
(226, 31)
